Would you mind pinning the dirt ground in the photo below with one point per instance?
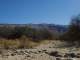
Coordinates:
(50, 50)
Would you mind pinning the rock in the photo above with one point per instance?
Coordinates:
(44, 50)
(28, 56)
(58, 59)
(78, 55)
(65, 59)
(55, 54)
(13, 54)
(72, 55)
(39, 51)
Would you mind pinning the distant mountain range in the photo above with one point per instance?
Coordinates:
(50, 27)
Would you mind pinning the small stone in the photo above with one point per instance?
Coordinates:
(72, 55)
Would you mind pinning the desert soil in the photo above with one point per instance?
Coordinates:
(52, 50)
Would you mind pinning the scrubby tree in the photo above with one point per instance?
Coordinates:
(73, 33)
(74, 29)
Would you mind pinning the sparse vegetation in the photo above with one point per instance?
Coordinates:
(22, 37)
(73, 33)
(17, 43)
(27, 37)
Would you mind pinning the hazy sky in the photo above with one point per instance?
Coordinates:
(38, 11)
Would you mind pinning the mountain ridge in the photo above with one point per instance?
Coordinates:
(52, 27)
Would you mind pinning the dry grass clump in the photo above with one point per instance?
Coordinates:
(4, 43)
(26, 42)
(22, 42)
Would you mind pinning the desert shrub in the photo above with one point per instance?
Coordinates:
(9, 32)
(26, 36)
(4, 43)
(73, 33)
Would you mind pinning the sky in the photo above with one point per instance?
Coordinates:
(38, 11)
